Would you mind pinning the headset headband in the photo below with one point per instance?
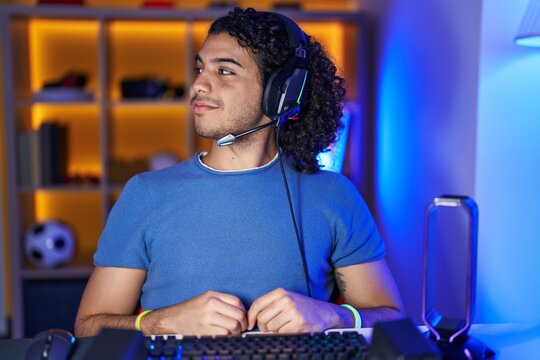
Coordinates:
(284, 88)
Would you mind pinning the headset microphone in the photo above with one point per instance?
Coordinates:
(278, 119)
(231, 138)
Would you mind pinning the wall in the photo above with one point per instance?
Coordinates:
(458, 111)
(508, 168)
(425, 118)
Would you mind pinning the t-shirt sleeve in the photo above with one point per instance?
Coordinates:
(121, 243)
(357, 239)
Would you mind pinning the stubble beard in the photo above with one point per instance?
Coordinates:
(231, 123)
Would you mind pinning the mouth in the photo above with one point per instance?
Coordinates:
(200, 108)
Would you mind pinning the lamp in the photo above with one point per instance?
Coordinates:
(529, 31)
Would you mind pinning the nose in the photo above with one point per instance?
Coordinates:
(201, 84)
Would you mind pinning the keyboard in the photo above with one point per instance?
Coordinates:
(317, 346)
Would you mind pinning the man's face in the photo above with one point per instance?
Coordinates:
(227, 91)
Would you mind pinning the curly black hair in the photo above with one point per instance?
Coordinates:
(264, 35)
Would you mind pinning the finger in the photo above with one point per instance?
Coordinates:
(261, 303)
(288, 321)
(268, 317)
(231, 299)
(278, 322)
(265, 316)
(291, 327)
(252, 317)
(231, 325)
(223, 308)
(216, 331)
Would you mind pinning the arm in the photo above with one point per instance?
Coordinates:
(112, 294)
(371, 289)
(368, 287)
(109, 300)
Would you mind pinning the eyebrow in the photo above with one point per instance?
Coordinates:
(220, 60)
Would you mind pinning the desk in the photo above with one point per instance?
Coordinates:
(509, 341)
(16, 349)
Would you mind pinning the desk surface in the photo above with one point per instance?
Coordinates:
(509, 341)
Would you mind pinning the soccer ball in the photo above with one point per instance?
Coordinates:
(49, 244)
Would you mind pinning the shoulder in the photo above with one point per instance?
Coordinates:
(331, 180)
(148, 185)
(339, 190)
(163, 176)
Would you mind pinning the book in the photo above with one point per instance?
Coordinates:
(53, 153)
(24, 164)
(45, 131)
(35, 158)
(60, 154)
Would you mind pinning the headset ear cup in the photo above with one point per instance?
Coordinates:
(271, 95)
(287, 82)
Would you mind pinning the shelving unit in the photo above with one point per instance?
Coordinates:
(41, 44)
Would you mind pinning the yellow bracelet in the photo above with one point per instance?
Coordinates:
(356, 315)
(139, 318)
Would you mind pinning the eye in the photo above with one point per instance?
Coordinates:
(225, 72)
(197, 70)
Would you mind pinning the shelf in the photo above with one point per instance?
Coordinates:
(148, 102)
(79, 267)
(124, 102)
(130, 102)
(60, 188)
(30, 102)
(60, 273)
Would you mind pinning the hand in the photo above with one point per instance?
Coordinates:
(289, 312)
(211, 313)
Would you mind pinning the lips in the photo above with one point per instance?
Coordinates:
(200, 107)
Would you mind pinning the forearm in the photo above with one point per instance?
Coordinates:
(156, 322)
(160, 321)
(374, 315)
(344, 318)
(92, 324)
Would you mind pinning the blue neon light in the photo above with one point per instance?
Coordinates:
(533, 41)
(332, 159)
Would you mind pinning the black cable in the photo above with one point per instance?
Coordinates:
(298, 239)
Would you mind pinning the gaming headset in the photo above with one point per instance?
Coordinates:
(284, 88)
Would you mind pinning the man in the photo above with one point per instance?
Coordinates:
(215, 245)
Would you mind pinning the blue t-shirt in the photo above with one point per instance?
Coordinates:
(193, 229)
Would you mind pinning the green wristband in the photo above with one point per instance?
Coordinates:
(356, 315)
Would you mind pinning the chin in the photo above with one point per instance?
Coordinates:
(208, 133)
(211, 132)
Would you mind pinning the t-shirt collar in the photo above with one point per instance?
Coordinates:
(204, 153)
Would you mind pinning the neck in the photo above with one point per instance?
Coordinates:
(255, 150)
